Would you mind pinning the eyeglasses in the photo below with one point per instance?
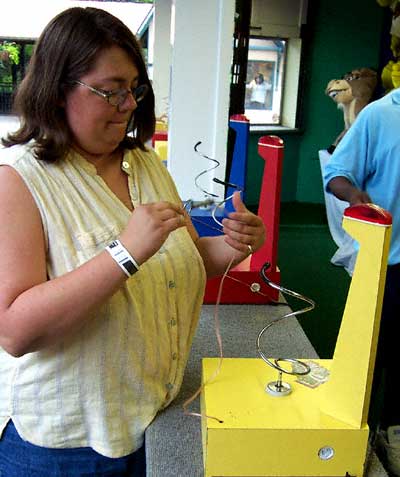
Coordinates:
(118, 96)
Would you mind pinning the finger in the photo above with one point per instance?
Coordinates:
(238, 203)
(174, 223)
(164, 205)
(182, 219)
(246, 218)
(249, 220)
(165, 211)
(241, 247)
(239, 236)
(167, 214)
(237, 227)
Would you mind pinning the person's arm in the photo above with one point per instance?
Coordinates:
(241, 229)
(36, 312)
(343, 189)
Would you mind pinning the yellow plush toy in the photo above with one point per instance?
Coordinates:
(391, 72)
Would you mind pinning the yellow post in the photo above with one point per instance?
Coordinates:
(347, 393)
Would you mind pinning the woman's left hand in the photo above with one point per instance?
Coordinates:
(244, 231)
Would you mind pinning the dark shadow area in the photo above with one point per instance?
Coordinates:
(304, 252)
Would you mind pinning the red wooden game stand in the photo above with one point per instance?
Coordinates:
(243, 283)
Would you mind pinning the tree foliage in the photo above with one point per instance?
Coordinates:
(9, 52)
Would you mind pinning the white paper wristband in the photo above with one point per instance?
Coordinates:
(124, 259)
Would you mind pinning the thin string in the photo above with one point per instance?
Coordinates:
(221, 354)
(205, 223)
(257, 291)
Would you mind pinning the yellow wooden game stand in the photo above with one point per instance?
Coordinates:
(318, 431)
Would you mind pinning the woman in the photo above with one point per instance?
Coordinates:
(102, 275)
(259, 88)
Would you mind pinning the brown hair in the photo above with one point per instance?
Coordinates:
(67, 50)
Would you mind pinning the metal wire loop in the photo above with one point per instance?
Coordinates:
(196, 179)
(215, 179)
(275, 364)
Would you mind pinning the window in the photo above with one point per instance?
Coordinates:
(277, 29)
(264, 82)
(14, 58)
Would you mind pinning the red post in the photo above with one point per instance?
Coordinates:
(243, 281)
(270, 148)
(159, 136)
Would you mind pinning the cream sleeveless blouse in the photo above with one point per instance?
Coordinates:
(101, 387)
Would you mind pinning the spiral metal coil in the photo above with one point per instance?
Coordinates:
(275, 363)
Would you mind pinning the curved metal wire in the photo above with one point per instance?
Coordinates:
(217, 181)
(217, 163)
(217, 206)
(275, 364)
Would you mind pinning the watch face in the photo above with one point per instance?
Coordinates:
(326, 453)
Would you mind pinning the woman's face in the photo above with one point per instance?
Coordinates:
(97, 126)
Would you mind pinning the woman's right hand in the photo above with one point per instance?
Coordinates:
(35, 311)
(149, 227)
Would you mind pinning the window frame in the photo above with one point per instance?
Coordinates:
(276, 78)
(290, 112)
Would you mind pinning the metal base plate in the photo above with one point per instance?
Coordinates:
(279, 389)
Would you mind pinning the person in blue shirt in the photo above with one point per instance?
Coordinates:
(365, 168)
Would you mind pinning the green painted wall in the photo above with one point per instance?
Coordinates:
(342, 35)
